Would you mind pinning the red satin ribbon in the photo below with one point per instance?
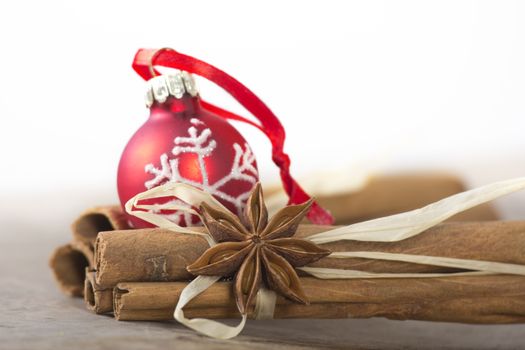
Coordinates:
(143, 64)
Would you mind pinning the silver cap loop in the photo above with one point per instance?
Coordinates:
(175, 84)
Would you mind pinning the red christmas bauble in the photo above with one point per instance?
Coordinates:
(182, 142)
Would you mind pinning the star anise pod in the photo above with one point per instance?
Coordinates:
(256, 250)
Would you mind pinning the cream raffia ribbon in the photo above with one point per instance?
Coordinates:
(186, 193)
(386, 229)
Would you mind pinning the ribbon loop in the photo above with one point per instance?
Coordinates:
(207, 327)
(144, 63)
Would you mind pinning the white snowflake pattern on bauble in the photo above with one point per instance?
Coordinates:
(200, 142)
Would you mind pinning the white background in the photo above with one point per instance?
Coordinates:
(365, 86)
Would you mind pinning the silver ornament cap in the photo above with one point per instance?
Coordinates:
(174, 84)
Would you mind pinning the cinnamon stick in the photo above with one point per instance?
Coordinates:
(145, 255)
(162, 255)
(97, 299)
(68, 265)
(94, 220)
(472, 299)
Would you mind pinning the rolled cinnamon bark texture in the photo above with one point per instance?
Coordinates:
(104, 218)
(145, 255)
(473, 299)
(161, 255)
(97, 299)
(68, 266)
(69, 262)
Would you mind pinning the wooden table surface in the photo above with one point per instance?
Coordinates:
(36, 315)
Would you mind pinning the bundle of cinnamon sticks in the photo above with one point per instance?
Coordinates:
(139, 274)
(162, 255)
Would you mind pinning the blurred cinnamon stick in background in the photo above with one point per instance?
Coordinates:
(381, 195)
(103, 218)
